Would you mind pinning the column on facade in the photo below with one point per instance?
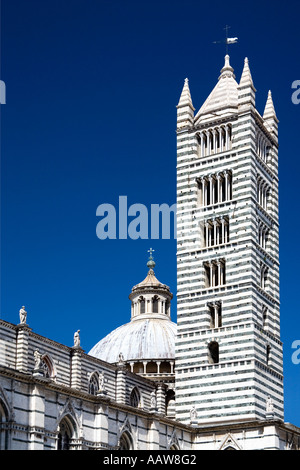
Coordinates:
(219, 187)
(223, 230)
(205, 191)
(211, 274)
(226, 137)
(214, 133)
(202, 143)
(161, 399)
(210, 190)
(23, 332)
(226, 185)
(208, 144)
(216, 311)
(76, 367)
(102, 425)
(220, 139)
(121, 384)
(37, 417)
(215, 225)
(154, 434)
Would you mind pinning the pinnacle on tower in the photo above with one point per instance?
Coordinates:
(269, 108)
(185, 108)
(269, 116)
(246, 89)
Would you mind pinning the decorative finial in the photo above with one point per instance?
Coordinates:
(151, 262)
(227, 70)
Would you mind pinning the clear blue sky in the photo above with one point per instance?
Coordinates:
(92, 89)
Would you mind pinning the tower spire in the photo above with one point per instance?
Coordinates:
(185, 108)
(269, 115)
(269, 111)
(246, 89)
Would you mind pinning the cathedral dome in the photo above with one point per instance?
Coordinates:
(144, 339)
(150, 334)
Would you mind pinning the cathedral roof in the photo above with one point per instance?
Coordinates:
(224, 96)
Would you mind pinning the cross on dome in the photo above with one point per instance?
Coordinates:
(151, 262)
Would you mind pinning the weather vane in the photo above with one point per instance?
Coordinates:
(228, 40)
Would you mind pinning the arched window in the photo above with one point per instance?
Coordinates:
(142, 305)
(213, 352)
(48, 367)
(94, 383)
(168, 308)
(3, 430)
(155, 304)
(65, 434)
(135, 398)
(126, 441)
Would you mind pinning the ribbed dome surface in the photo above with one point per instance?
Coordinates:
(140, 339)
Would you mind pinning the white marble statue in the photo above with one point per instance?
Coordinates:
(77, 339)
(23, 315)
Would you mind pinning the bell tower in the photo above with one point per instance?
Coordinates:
(228, 348)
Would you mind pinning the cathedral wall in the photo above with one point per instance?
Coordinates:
(36, 403)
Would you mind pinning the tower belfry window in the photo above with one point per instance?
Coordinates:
(216, 232)
(263, 275)
(263, 232)
(214, 140)
(214, 273)
(263, 192)
(215, 188)
(215, 310)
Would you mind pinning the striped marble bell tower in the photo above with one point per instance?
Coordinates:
(228, 351)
